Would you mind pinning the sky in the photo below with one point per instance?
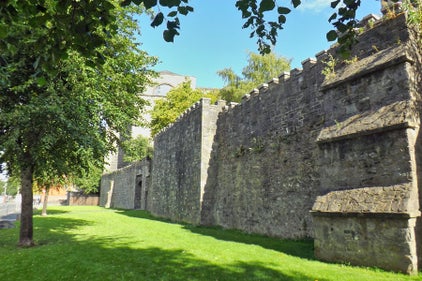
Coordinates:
(211, 38)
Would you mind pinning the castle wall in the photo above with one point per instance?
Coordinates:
(263, 175)
(81, 199)
(334, 157)
(126, 188)
(308, 135)
(369, 153)
(180, 163)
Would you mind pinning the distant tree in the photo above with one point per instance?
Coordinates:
(88, 181)
(64, 118)
(136, 149)
(46, 184)
(176, 102)
(260, 69)
(12, 185)
(3, 184)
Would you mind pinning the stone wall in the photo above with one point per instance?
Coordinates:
(369, 162)
(345, 146)
(302, 135)
(181, 154)
(81, 199)
(263, 176)
(126, 188)
(368, 226)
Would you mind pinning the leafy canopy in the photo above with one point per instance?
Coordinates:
(62, 112)
(74, 24)
(65, 122)
(260, 69)
(177, 101)
(136, 149)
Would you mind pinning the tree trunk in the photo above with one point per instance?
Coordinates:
(26, 228)
(45, 202)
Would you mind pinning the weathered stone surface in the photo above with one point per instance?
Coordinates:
(385, 242)
(349, 145)
(181, 156)
(126, 188)
(368, 226)
(381, 60)
(397, 199)
(390, 117)
(266, 166)
(79, 198)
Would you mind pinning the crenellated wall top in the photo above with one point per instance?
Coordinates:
(383, 34)
(203, 103)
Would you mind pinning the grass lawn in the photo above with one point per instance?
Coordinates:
(92, 243)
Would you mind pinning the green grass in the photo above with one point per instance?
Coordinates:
(92, 243)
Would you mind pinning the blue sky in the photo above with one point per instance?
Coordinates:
(212, 38)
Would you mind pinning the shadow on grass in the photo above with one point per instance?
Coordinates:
(37, 212)
(298, 248)
(61, 255)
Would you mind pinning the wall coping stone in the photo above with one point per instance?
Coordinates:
(394, 116)
(365, 215)
(377, 201)
(380, 60)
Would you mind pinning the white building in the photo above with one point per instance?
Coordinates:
(162, 85)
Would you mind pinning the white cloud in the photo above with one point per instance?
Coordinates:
(315, 5)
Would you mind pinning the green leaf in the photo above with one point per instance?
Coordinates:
(170, 3)
(282, 19)
(173, 24)
(3, 31)
(249, 22)
(332, 35)
(41, 81)
(333, 17)
(341, 27)
(172, 14)
(334, 3)
(184, 10)
(296, 3)
(157, 20)
(150, 3)
(283, 10)
(266, 5)
(169, 34)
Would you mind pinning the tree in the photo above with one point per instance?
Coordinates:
(89, 180)
(60, 120)
(136, 149)
(177, 101)
(45, 185)
(70, 24)
(260, 69)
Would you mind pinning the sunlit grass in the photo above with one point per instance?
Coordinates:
(92, 243)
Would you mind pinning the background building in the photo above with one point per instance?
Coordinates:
(162, 85)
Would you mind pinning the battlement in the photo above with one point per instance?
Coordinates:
(202, 104)
(378, 37)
